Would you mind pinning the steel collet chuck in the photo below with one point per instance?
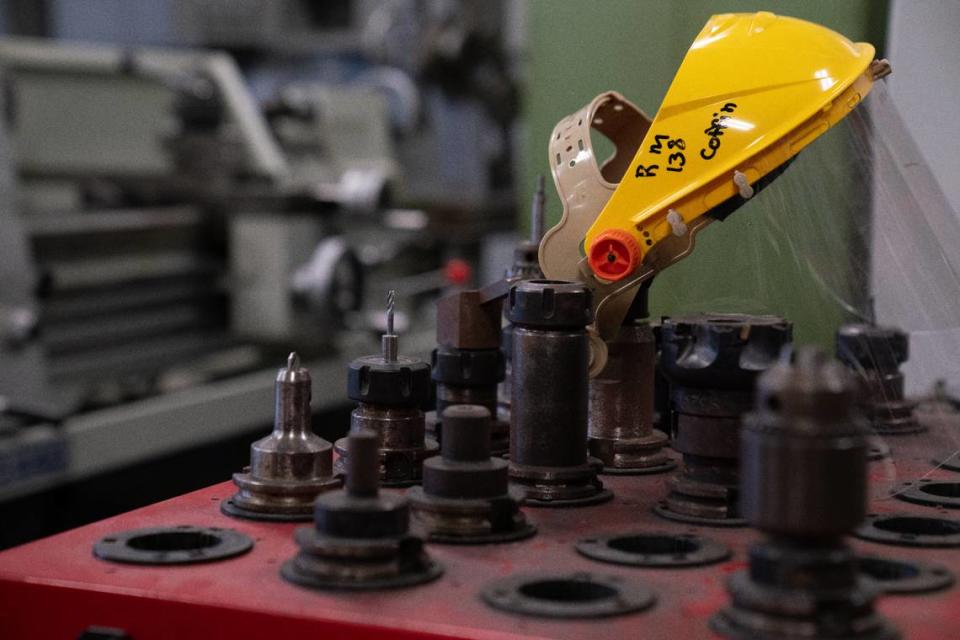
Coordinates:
(390, 389)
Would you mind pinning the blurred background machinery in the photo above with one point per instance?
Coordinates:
(189, 189)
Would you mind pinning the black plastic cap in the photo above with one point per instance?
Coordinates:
(341, 515)
(466, 433)
(881, 348)
(550, 304)
(363, 464)
(404, 383)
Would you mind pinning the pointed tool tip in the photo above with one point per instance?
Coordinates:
(391, 303)
(293, 360)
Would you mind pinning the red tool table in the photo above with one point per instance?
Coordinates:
(56, 588)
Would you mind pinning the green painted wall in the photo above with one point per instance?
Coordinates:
(578, 49)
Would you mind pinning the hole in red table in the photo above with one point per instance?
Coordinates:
(174, 541)
(654, 545)
(942, 489)
(919, 526)
(571, 591)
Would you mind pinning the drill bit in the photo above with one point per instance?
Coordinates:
(391, 303)
(389, 340)
(536, 211)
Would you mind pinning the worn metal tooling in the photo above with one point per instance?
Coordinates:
(804, 484)
(468, 361)
(473, 354)
(875, 354)
(245, 596)
(390, 389)
(467, 367)
(803, 450)
(466, 497)
(525, 266)
(548, 418)
(712, 362)
(290, 467)
(468, 376)
(361, 538)
(621, 432)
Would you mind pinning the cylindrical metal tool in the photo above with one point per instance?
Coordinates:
(712, 362)
(469, 376)
(621, 432)
(465, 496)
(548, 430)
(389, 390)
(875, 354)
(804, 484)
(525, 266)
(360, 538)
(290, 467)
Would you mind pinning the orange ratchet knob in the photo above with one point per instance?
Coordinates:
(614, 255)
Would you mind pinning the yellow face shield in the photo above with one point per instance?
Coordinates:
(751, 93)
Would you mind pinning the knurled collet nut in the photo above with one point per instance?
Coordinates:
(550, 304)
(404, 383)
(468, 367)
(870, 347)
